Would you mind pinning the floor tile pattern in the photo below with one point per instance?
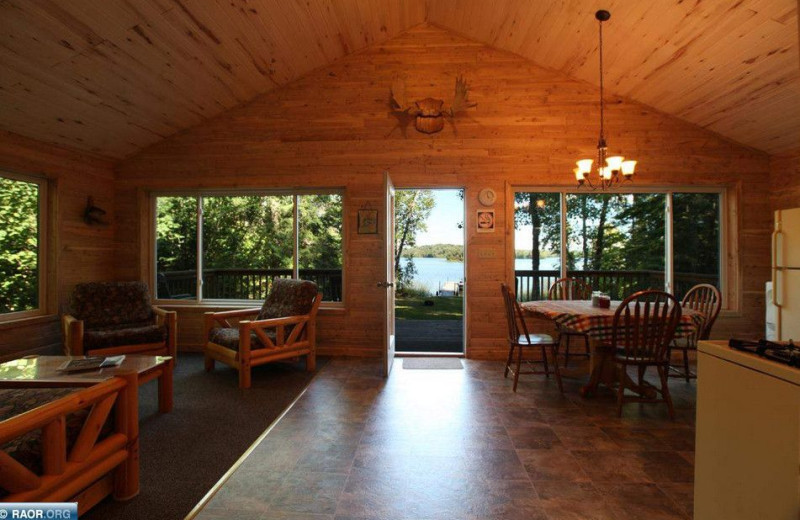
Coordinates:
(459, 444)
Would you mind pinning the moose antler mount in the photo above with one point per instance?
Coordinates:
(429, 113)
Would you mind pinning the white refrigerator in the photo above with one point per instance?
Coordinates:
(783, 297)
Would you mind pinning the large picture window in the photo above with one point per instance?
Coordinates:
(618, 243)
(22, 220)
(231, 246)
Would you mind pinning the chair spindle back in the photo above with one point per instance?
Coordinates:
(707, 300)
(644, 325)
(570, 289)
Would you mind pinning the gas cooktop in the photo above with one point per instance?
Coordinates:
(785, 353)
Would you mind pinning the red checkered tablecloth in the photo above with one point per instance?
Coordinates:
(597, 323)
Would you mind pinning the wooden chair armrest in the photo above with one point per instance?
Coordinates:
(73, 335)
(274, 322)
(170, 319)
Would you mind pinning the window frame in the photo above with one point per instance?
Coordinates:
(42, 256)
(199, 300)
(727, 286)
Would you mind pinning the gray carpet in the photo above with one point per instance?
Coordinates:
(432, 363)
(183, 453)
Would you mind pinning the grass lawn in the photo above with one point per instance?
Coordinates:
(443, 308)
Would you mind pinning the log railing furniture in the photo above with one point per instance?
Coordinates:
(598, 324)
(54, 446)
(284, 327)
(43, 371)
(109, 318)
(707, 300)
(571, 289)
(644, 327)
(519, 339)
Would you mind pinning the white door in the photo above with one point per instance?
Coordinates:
(388, 283)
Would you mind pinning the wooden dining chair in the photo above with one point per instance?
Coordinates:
(519, 340)
(707, 300)
(644, 326)
(571, 289)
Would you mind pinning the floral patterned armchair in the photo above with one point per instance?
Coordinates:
(109, 318)
(284, 327)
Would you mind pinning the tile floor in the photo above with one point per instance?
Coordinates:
(458, 444)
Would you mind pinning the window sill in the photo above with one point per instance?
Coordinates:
(326, 308)
(28, 321)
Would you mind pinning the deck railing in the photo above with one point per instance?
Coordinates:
(243, 284)
(534, 285)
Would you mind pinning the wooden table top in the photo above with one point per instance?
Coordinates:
(43, 369)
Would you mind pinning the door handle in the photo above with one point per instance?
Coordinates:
(385, 284)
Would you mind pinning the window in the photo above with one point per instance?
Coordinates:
(22, 221)
(232, 246)
(619, 243)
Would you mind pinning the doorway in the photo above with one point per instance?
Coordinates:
(430, 271)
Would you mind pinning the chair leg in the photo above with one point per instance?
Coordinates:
(509, 360)
(621, 389)
(544, 362)
(557, 370)
(519, 364)
(588, 348)
(686, 364)
(566, 350)
(209, 363)
(244, 376)
(641, 370)
(665, 391)
(311, 361)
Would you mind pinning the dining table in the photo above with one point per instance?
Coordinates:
(598, 324)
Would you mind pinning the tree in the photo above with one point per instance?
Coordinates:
(412, 209)
(19, 245)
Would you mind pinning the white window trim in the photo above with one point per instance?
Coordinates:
(199, 301)
(669, 191)
(42, 267)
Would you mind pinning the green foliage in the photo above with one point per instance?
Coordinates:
(696, 231)
(19, 245)
(451, 252)
(412, 209)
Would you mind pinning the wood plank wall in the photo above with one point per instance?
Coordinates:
(333, 128)
(78, 252)
(785, 181)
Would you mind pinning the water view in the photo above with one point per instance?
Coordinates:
(432, 273)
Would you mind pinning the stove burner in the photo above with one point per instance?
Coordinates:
(787, 354)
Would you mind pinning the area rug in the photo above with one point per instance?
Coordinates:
(183, 453)
(432, 363)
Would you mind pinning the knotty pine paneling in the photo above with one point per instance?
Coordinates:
(333, 128)
(79, 252)
(785, 181)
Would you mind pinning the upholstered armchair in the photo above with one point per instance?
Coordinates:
(284, 327)
(110, 318)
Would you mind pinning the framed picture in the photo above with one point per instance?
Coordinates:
(367, 221)
(485, 221)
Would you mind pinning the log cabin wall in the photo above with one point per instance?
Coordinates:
(332, 128)
(785, 181)
(76, 251)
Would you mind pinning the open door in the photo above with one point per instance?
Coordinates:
(387, 284)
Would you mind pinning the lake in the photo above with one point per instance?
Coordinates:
(431, 272)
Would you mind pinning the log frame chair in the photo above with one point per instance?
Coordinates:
(642, 339)
(301, 341)
(571, 289)
(707, 300)
(91, 469)
(74, 331)
(519, 338)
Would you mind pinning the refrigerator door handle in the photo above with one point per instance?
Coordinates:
(777, 249)
(777, 288)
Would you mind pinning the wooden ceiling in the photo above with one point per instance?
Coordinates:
(114, 76)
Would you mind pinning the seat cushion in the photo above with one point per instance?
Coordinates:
(288, 298)
(103, 304)
(124, 334)
(229, 338)
(536, 339)
(27, 449)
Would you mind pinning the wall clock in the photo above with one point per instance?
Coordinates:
(487, 197)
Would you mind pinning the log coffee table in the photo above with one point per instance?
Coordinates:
(40, 371)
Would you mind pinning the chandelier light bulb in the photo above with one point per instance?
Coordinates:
(585, 165)
(579, 175)
(627, 168)
(615, 163)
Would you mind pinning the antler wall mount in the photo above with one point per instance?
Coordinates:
(429, 113)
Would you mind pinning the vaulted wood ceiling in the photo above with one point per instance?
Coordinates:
(115, 76)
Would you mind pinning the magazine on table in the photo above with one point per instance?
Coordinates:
(91, 363)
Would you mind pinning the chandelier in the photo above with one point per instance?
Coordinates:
(609, 170)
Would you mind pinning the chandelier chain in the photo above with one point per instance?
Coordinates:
(602, 115)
